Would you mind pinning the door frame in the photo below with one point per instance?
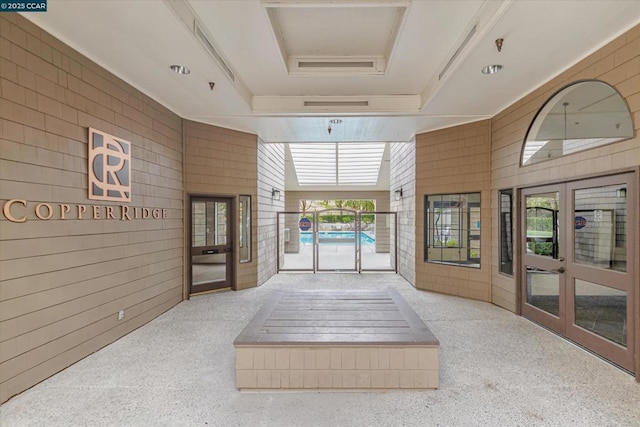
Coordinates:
(571, 331)
(231, 256)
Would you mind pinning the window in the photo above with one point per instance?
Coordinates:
(453, 229)
(245, 228)
(506, 228)
(583, 115)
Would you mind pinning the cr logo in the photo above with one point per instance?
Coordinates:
(109, 167)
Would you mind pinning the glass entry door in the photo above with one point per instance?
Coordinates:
(377, 238)
(337, 240)
(544, 257)
(579, 261)
(211, 244)
(337, 245)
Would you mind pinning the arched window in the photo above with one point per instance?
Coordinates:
(582, 115)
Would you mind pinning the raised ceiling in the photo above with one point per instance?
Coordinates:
(426, 55)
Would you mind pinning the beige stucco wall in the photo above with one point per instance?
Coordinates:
(618, 63)
(224, 162)
(63, 281)
(455, 160)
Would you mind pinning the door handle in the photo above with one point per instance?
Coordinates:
(559, 270)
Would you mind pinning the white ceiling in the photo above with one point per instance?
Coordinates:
(410, 41)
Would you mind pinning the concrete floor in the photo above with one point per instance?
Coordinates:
(497, 369)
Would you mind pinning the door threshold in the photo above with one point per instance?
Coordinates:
(212, 291)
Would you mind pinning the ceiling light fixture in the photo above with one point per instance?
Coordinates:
(180, 69)
(492, 69)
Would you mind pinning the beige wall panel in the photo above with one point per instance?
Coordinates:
(26, 379)
(62, 281)
(97, 290)
(270, 175)
(455, 160)
(617, 63)
(121, 298)
(12, 269)
(83, 277)
(224, 162)
(88, 299)
(403, 175)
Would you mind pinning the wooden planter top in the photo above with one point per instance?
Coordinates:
(342, 317)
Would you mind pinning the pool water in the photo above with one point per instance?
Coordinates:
(306, 237)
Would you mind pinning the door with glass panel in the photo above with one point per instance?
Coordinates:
(579, 263)
(211, 244)
(543, 256)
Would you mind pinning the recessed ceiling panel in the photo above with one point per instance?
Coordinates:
(341, 31)
(333, 38)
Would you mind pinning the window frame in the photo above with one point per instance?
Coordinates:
(502, 215)
(464, 229)
(542, 113)
(245, 233)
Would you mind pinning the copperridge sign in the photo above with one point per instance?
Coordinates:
(15, 210)
(109, 178)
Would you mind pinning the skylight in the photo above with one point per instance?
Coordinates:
(337, 163)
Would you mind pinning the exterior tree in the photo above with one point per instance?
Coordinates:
(305, 205)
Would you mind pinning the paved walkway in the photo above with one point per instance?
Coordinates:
(497, 369)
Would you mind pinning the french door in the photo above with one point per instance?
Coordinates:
(211, 244)
(578, 262)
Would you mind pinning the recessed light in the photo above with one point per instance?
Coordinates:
(335, 121)
(180, 69)
(492, 69)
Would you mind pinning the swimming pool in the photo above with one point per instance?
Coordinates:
(306, 237)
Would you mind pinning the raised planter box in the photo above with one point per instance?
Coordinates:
(355, 339)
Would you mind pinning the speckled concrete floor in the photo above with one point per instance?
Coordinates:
(497, 369)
